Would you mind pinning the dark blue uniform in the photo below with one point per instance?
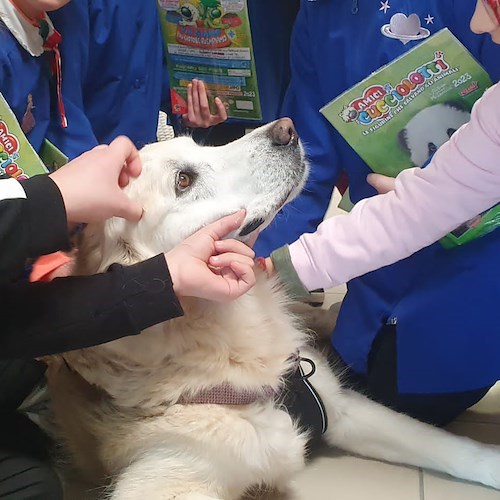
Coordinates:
(443, 302)
(111, 75)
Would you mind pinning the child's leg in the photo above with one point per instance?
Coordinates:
(381, 385)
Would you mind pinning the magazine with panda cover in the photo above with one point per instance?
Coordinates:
(400, 115)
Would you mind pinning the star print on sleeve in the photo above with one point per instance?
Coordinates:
(429, 19)
(385, 6)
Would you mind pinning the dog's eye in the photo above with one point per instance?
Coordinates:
(184, 180)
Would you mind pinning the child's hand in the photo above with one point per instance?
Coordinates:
(208, 267)
(198, 114)
(91, 185)
(381, 183)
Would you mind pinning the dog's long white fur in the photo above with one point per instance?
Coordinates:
(117, 409)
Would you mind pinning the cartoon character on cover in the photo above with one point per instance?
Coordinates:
(203, 14)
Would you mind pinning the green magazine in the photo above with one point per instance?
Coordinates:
(17, 158)
(400, 115)
(211, 40)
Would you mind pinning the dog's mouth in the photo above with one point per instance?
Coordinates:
(257, 222)
(251, 226)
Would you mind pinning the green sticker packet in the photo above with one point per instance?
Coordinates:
(52, 157)
(17, 158)
(211, 40)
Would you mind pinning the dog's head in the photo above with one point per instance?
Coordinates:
(184, 187)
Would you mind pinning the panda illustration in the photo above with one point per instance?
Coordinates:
(431, 128)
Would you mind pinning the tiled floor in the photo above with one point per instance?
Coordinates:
(332, 475)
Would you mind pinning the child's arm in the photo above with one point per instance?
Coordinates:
(81, 311)
(462, 181)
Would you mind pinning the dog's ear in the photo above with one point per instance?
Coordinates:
(403, 140)
(89, 254)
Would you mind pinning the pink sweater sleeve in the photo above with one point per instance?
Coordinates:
(462, 181)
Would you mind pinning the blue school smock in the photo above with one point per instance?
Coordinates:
(22, 75)
(271, 24)
(444, 302)
(112, 69)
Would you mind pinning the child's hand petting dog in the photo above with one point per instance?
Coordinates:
(91, 185)
(207, 267)
(198, 114)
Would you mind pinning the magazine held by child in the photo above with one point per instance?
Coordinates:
(400, 115)
(211, 40)
(17, 158)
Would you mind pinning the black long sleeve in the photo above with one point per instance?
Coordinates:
(30, 225)
(81, 311)
(75, 312)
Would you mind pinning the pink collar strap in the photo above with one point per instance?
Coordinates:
(226, 394)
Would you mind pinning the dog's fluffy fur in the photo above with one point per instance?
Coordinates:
(118, 407)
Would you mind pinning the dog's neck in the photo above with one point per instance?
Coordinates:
(249, 341)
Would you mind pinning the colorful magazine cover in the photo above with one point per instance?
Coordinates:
(211, 40)
(400, 115)
(17, 158)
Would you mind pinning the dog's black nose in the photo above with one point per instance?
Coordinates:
(283, 133)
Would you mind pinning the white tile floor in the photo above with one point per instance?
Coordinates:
(332, 475)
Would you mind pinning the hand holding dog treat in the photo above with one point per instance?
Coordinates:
(208, 267)
(91, 185)
(198, 114)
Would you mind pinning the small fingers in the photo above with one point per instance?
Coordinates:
(234, 246)
(226, 259)
(127, 155)
(191, 112)
(222, 227)
(221, 115)
(245, 275)
(203, 103)
(381, 183)
(195, 101)
(123, 179)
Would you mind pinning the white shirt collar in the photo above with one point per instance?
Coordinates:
(25, 33)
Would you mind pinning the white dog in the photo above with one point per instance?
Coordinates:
(191, 409)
